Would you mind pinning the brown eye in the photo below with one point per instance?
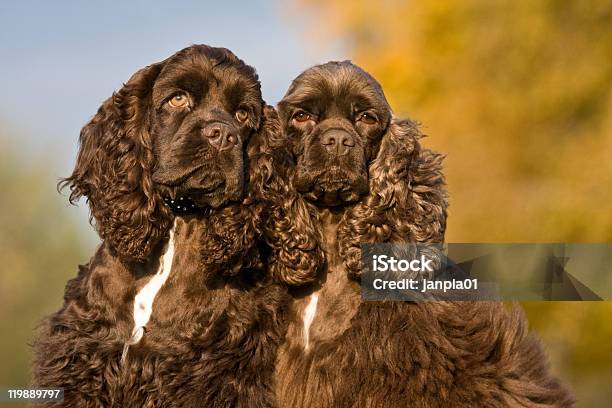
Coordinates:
(302, 117)
(242, 115)
(179, 101)
(367, 118)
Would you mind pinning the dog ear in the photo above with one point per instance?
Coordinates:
(113, 170)
(407, 199)
(295, 257)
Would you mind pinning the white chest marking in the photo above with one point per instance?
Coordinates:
(309, 314)
(143, 302)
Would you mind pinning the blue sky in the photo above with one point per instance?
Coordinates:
(60, 60)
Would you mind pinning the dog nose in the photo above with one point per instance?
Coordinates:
(220, 136)
(337, 141)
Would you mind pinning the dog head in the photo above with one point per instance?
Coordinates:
(178, 132)
(352, 154)
(335, 114)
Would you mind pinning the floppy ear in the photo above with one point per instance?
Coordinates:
(407, 198)
(295, 256)
(113, 171)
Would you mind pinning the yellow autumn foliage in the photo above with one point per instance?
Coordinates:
(518, 94)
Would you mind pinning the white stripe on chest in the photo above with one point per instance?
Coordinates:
(143, 301)
(309, 315)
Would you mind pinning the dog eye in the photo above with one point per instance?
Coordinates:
(302, 116)
(242, 115)
(367, 118)
(180, 100)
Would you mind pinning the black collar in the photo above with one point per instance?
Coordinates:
(182, 205)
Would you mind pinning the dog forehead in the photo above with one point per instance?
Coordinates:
(201, 72)
(201, 67)
(342, 86)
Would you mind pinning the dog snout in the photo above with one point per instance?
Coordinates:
(338, 142)
(220, 136)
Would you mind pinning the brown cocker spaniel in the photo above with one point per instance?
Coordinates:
(175, 308)
(367, 179)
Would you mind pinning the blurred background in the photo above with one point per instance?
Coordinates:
(517, 94)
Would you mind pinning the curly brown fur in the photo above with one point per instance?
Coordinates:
(438, 354)
(217, 321)
(365, 178)
(114, 168)
(295, 257)
(406, 202)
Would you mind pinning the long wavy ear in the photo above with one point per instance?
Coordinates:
(407, 200)
(295, 256)
(113, 170)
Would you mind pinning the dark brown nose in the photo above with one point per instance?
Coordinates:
(220, 136)
(337, 141)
